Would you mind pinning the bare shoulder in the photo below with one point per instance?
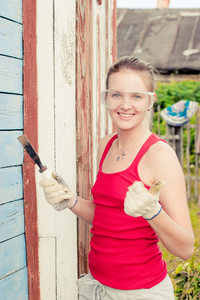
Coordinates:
(102, 144)
(160, 162)
(160, 150)
(162, 155)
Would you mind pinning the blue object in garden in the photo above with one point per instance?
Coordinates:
(179, 113)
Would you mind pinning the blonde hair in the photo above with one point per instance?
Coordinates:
(146, 70)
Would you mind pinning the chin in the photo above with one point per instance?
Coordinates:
(126, 128)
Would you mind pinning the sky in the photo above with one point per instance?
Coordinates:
(152, 4)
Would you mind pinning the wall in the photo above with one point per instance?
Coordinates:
(13, 267)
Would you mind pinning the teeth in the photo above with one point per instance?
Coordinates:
(125, 115)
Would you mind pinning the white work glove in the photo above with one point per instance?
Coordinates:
(142, 202)
(58, 195)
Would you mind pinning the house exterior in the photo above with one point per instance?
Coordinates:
(54, 56)
(167, 38)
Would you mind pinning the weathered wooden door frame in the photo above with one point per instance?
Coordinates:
(31, 129)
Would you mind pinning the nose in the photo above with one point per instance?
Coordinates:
(125, 104)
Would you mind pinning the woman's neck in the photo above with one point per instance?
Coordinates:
(131, 137)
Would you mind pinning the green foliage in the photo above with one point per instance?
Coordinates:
(169, 93)
(186, 278)
(185, 275)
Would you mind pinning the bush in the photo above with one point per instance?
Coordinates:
(186, 279)
(169, 93)
(185, 275)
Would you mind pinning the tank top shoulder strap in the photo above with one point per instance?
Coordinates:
(154, 138)
(109, 144)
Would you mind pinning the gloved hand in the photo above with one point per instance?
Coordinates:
(56, 194)
(142, 202)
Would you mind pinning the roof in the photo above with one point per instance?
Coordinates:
(169, 39)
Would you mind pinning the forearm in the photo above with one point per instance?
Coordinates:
(84, 210)
(176, 239)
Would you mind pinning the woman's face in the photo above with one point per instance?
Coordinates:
(127, 116)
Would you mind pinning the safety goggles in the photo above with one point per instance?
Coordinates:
(140, 101)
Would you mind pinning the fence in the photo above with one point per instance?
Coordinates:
(185, 141)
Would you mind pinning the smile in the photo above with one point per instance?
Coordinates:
(125, 115)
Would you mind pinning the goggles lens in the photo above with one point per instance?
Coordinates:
(140, 101)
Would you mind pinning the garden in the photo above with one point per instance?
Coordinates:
(185, 275)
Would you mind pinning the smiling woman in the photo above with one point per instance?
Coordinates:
(128, 217)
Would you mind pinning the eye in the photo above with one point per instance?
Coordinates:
(136, 96)
(116, 95)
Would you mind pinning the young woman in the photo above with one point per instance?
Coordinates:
(127, 219)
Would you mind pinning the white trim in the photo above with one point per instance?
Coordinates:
(57, 144)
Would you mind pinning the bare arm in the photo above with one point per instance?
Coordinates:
(172, 225)
(176, 239)
(84, 210)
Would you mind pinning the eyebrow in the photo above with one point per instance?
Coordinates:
(113, 90)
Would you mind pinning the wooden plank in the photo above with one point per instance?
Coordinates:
(15, 286)
(11, 9)
(65, 135)
(114, 30)
(47, 254)
(11, 75)
(66, 255)
(10, 148)
(85, 81)
(13, 255)
(11, 220)
(30, 129)
(46, 114)
(111, 46)
(31, 229)
(11, 186)
(188, 162)
(11, 111)
(10, 34)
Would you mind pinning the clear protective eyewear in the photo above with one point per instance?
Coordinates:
(140, 101)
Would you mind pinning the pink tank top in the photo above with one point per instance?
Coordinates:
(124, 252)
